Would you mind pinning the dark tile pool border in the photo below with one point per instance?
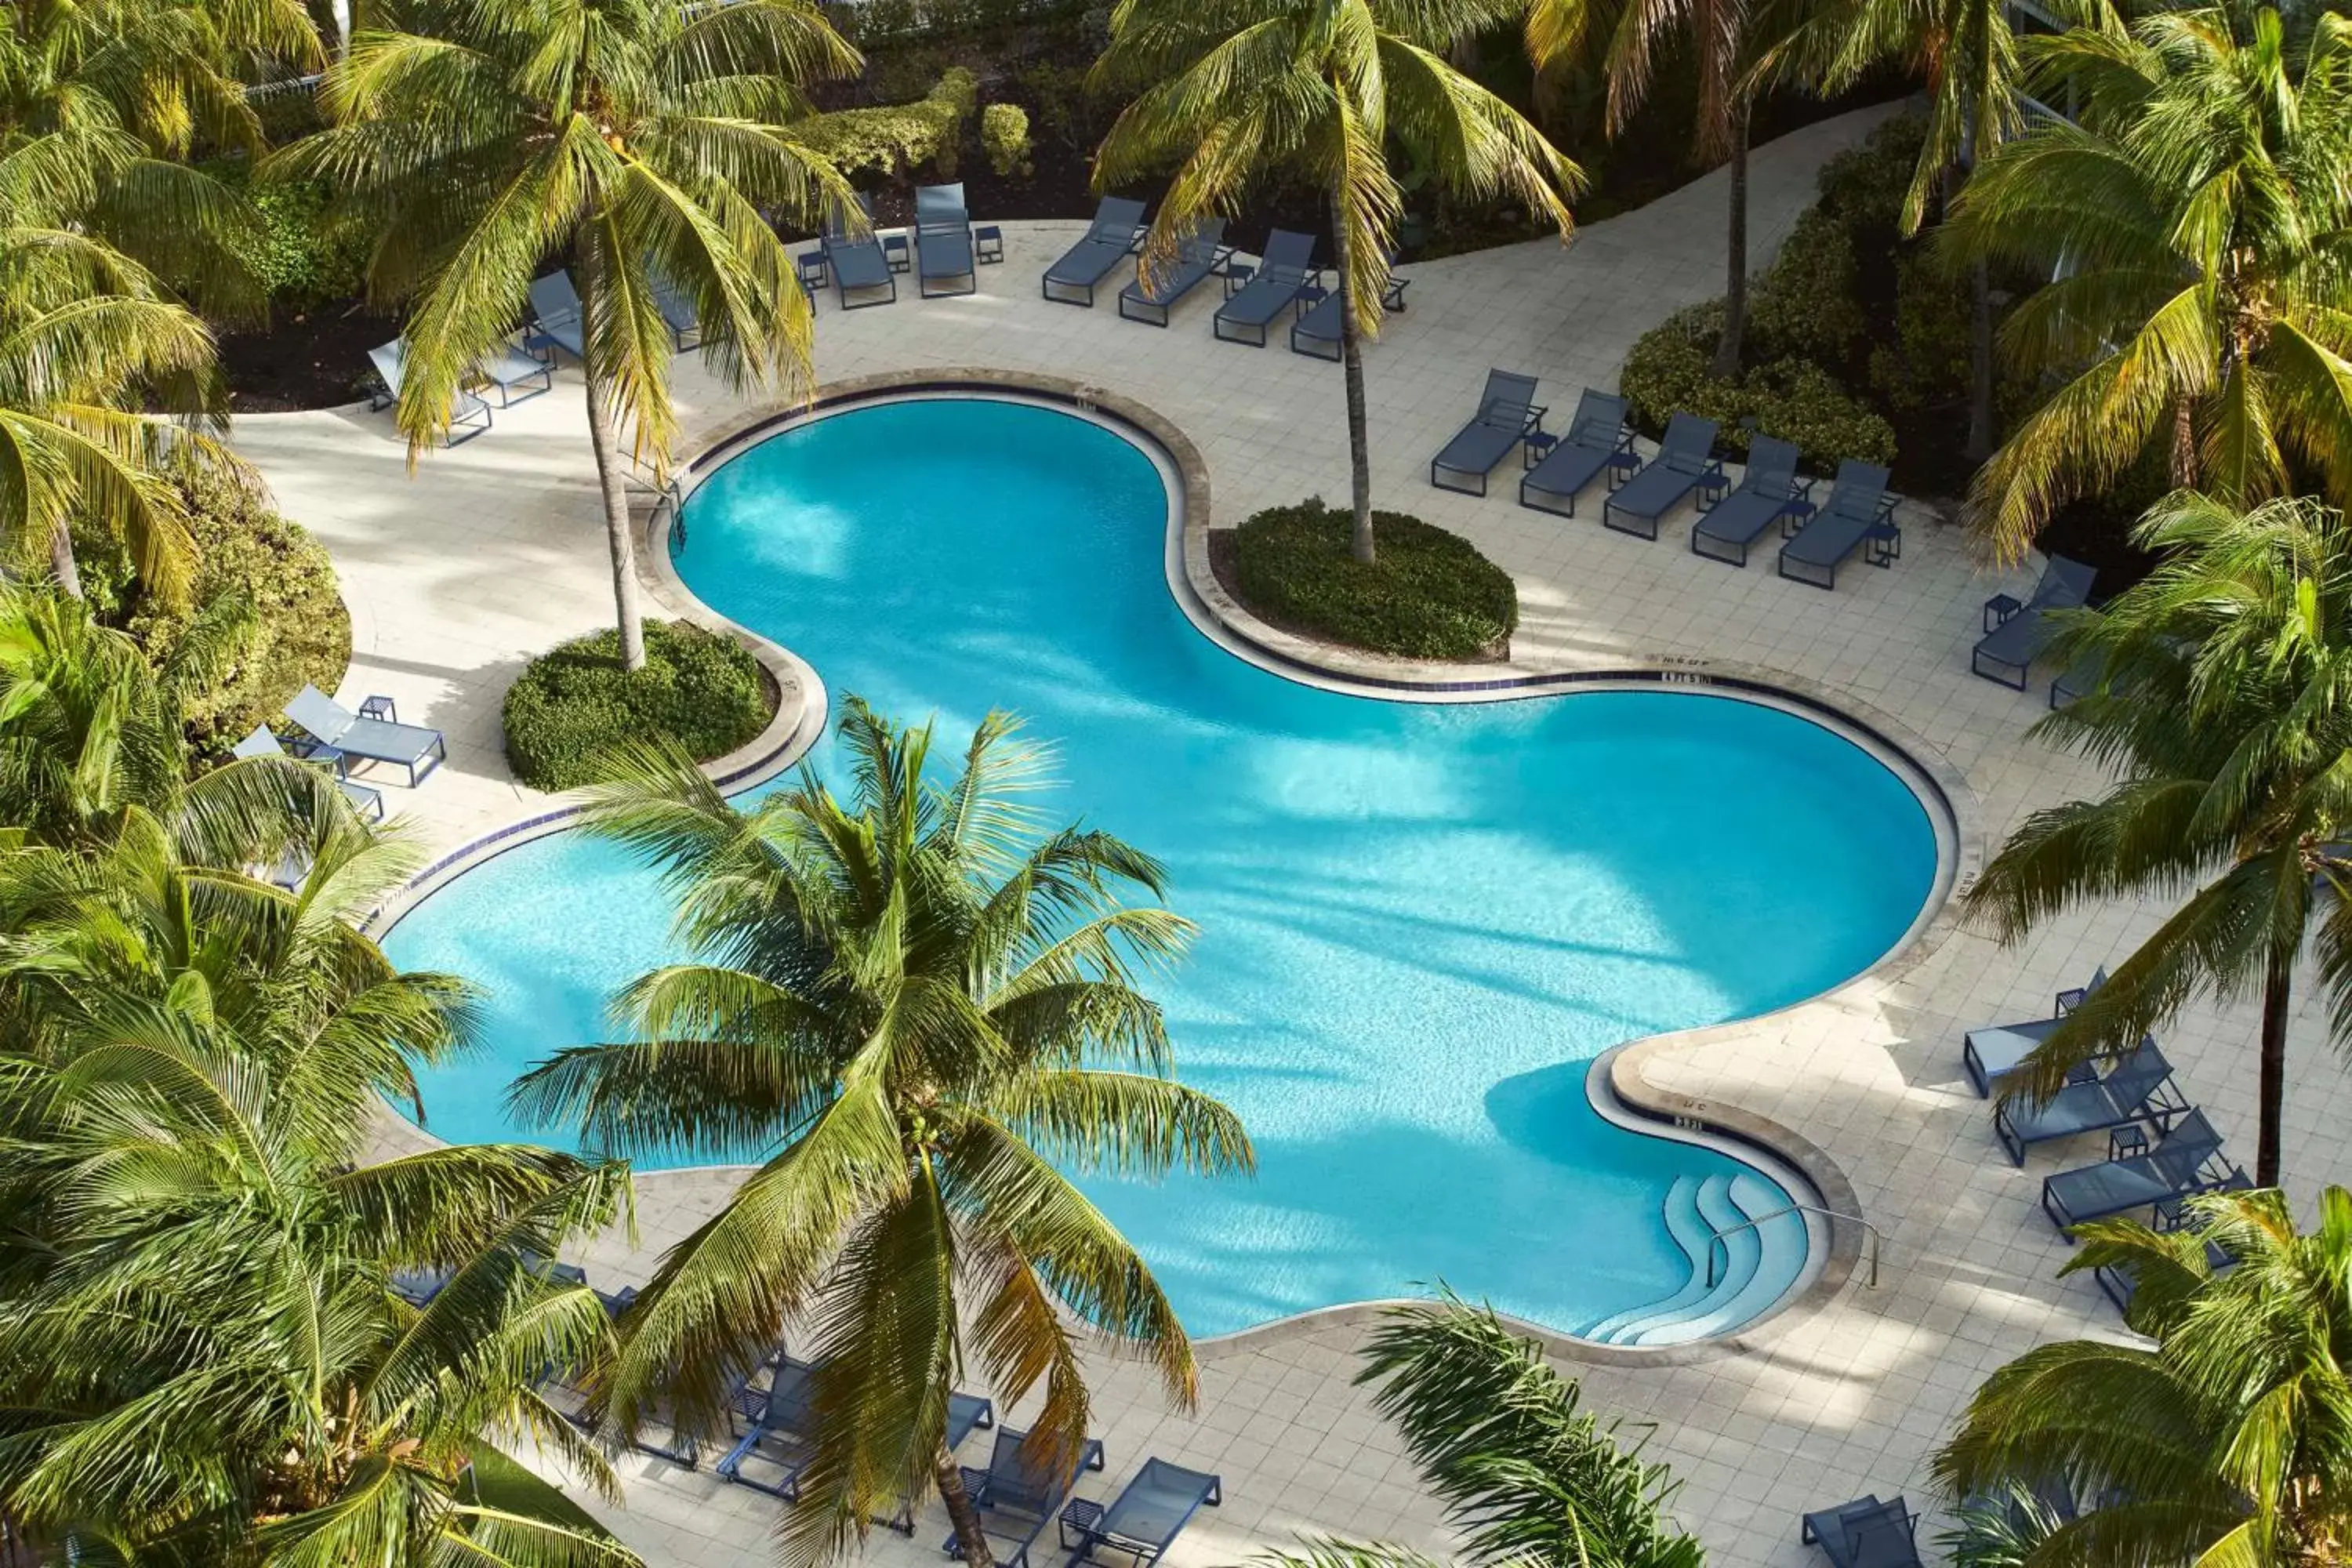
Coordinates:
(1617, 1075)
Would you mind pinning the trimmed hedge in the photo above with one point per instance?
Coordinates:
(896, 138)
(1668, 373)
(1428, 594)
(1004, 137)
(568, 706)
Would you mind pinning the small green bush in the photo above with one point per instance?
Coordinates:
(900, 136)
(1667, 372)
(258, 572)
(300, 252)
(1867, 185)
(1804, 304)
(1428, 595)
(569, 705)
(1004, 137)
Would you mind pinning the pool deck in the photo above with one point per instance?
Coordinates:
(488, 555)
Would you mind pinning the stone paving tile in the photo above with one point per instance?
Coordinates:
(457, 573)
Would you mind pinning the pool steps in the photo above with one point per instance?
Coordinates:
(1755, 1265)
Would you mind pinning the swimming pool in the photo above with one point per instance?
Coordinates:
(1419, 922)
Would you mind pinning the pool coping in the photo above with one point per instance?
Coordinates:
(1617, 1075)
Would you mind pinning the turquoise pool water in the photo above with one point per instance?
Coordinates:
(1419, 923)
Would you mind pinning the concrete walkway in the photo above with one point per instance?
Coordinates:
(487, 555)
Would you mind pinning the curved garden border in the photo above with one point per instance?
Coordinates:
(1617, 1079)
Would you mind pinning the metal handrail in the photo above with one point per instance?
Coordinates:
(1715, 1236)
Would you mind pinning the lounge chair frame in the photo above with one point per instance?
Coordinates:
(1598, 441)
(2145, 1094)
(856, 263)
(1116, 233)
(468, 415)
(1097, 1528)
(1282, 273)
(2181, 1162)
(1316, 332)
(1845, 1531)
(1682, 464)
(2064, 584)
(1199, 255)
(1508, 415)
(943, 247)
(367, 738)
(1858, 516)
(1972, 1060)
(1769, 492)
(996, 1491)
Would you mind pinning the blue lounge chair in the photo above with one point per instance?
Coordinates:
(2137, 1089)
(417, 1287)
(1859, 515)
(555, 316)
(1682, 465)
(1597, 439)
(369, 739)
(943, 241)
(856, 263)
(367, 802)
(1317, 331)
(1283, 274)
(1508, 414)
(519, 374)
(1110, 239)
(1768, 493)
(1864, 1533)
(1996, 1051)
(2121, 1287)
(1146, 1517)
(1156, 291)
(2174, 1168)
(468, 414)
(2016, 633)
(678, 314)
(1018, 1498)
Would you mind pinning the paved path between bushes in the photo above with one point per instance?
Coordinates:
(488, 555)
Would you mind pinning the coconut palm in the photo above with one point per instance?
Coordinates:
(203, 1358)
(88, 732)
(1531, 1480)
(104, 101)
(646, 137)
(1234, 91)
(2197, 223)
(1967, 52)
(1721, 37)
(89, 340)
(2223, 709)
(923, 1016)
(2225, 1441)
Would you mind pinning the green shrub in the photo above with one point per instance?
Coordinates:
(1428, 595)
(300, 253)
(1004, 137)
(1667, 372)
(1065, 107)
(900, 136)
(569, 705)
(1804, 303)
(252, 566)
(1867, 185)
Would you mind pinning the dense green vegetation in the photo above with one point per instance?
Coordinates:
(1430, 593)
(697, 690)
(926, 1010)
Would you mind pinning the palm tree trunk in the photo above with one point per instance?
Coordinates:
(962, 1514)
(2184, 447)
(600, 437)
(1735, 292)
(61, 560)
(2276, 987)
(1351, 359)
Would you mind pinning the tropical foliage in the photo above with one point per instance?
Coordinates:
(1529, 1479)
(2223, 1442)
(2219, 706)
(922, 1015)
(646, 141)
(574, 704)
(2197, 221)
(1232, 94)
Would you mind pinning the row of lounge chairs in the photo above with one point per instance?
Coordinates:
(1857, 517)
(944, 249)
(1256, 294)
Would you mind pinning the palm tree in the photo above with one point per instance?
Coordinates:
(2196, 221)
(89, 733)
(1531, 1480)
(925, 1015)
(645, 137)
(1968, 52)
(203, 1356)
(2221, 707)
(88, 338)
(2223, 1442)
(1232, 93)
(1720, 36)
(104, 101)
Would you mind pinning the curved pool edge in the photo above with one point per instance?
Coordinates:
(1616, 1074)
